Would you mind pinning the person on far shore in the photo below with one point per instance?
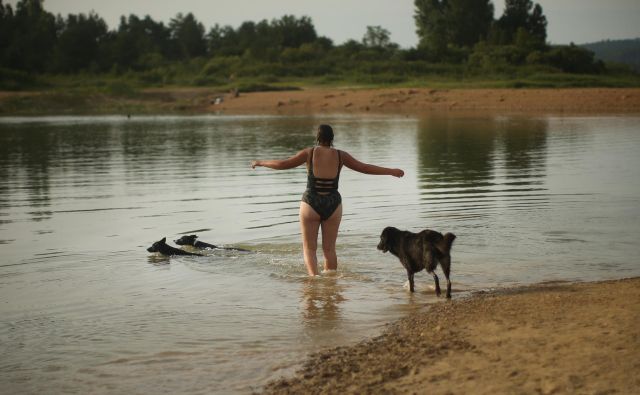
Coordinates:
(321, 205)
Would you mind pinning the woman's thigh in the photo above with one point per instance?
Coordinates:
(309, 224)
(330, 229)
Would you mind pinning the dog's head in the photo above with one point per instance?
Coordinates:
(157, 246)
(186, 240)
(385, 238)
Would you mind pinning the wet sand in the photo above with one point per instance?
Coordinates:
(547, 339)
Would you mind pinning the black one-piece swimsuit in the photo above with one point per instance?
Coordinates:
(322, 193)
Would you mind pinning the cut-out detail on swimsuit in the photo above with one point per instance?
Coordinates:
(322, 193)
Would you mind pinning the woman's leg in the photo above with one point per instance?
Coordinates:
(329, 236)
(309, 224)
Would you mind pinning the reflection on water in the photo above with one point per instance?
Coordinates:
(321, 300)
(87, 309)
(469, 167)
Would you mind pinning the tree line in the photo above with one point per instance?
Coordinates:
(453, 32)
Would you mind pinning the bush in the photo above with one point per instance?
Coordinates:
(14, 80)
(120, 88)
(572, 59)
(492, 58)
(222, 66)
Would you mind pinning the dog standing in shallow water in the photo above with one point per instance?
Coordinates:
(418, 251)
(163, 248)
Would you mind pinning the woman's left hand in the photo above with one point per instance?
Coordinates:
(254, 163)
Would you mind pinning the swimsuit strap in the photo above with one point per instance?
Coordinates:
(311, 161)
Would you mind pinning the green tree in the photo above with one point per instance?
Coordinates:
(188, 35)
(223, 41)
(6, 31)
(442, 24)
(431, 26)
(293, 32)
(138, 39)
(521, 14)
(468, 21)
(80, 42)
(377, 37)
(32, 38)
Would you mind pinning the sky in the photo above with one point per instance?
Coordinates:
(577, 21)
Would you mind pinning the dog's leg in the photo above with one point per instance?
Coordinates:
(435, 278)
(410, 276)
(430, 263)
(445, 263)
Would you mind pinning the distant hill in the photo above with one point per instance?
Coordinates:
(620, 51)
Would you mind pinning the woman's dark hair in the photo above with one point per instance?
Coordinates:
(325, 135)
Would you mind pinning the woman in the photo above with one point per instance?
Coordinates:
(321, 205)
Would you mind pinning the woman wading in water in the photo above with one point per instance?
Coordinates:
(321, 205)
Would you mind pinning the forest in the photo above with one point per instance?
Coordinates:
(460, 42)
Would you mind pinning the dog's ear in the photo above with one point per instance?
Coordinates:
(164, 240)
(194, 236)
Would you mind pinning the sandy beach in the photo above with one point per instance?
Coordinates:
(318, 100)
(553, 338)
(421, 100)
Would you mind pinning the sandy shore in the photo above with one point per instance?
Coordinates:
(588, 100)
(546, 339)
(312, 100)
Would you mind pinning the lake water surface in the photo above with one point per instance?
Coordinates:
(85, 309)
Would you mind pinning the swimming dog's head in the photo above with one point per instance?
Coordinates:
(157, 246)
(186, 240)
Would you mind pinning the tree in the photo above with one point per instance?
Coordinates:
(79, 43)
(431, 26)
(468, 21)
(377, 37)
(32, 38)
(137, 39)
(6, 31)
(188, 34)
(452, 23)
(521, 14)
(294, 32)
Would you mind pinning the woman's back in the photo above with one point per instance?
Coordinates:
(326, 162)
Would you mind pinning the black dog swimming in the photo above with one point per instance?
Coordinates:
(418, 251)
(191, 241)
(163, 248)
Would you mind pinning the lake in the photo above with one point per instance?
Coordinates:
(86, 309)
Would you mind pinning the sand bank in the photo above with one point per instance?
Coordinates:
(550, 338)
(587, 100)
(310, 100)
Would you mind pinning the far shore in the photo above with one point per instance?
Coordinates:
(315, 100)
(551, 338)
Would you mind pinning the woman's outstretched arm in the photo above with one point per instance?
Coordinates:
(366, 168)
(282, 164)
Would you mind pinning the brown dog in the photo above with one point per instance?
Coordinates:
(418, 251)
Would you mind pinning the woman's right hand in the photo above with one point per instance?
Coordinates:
(254, 163)
(397, 173)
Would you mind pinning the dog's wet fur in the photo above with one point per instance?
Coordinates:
(163, 248)
(191, 241)
(417, 251)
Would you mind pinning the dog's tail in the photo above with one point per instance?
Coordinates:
(446, 242)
